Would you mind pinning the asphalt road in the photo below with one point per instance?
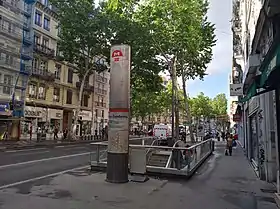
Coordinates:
(223, 182)
(18, 166)
(21, 165)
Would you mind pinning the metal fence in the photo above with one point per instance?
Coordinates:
(176, 160)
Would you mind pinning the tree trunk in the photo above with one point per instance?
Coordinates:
(78, 110)
(188, 113)
(176, 102)
(173, 75)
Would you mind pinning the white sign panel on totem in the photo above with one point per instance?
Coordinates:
(118, 128)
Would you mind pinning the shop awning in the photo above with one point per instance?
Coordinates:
(269, 66)
(252, 91)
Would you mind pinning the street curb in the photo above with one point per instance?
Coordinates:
(4, 147)
(22, 147)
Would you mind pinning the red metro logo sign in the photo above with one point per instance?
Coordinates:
(117, 55)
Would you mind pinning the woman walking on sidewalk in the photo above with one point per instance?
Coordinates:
(229, 143)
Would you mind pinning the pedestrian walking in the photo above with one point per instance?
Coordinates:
(223, 135)
(55, 133)
(65, 133)
(229, 143)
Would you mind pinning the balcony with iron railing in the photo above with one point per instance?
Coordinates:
(44, 50)
(87, 86)
(8, 32)
(100, 104)
(101, 91)
(101, 79)
(27, 9)
(12, 6)
(27, 23)
(27, 40)
(8, 64)
(25, 69)
(26, 53)
(43, 74)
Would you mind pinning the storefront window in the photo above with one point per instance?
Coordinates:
(86, 127)
(25, 127)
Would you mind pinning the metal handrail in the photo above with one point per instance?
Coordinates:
(148, 151)
(153, 144)
(182, 169)
(170, 148)
(170, 157)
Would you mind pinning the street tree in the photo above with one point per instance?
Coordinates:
(146, 103)
(201, 106)
(193, 63)
(182, 34)
(219, 107)
(165, 101)
(88, 30)
(81, 41)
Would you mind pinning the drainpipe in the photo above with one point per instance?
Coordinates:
(277, 125)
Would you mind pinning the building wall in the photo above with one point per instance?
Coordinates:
(259, 119)
(15, 61)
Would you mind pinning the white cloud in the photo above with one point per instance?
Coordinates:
(222, 56)
(220, 14)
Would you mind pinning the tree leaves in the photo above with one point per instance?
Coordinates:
(154, 29)
(209, 108)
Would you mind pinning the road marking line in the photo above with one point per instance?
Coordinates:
(59, 146)
(41, 177)
(43, 160)
(23, 150)
(31, 153)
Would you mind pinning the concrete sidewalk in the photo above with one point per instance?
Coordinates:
(224, 182)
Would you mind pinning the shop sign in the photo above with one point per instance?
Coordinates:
(58, 115)
(236, 89)
(55, 113)
(33, 112)
(236, 117)
(86, 115)
(200, 130)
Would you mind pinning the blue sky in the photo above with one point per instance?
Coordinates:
(219, 69)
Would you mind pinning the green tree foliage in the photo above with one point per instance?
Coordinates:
(219, 105)
(155, 103)
(201, 106)
(88, 30)
(216, 108)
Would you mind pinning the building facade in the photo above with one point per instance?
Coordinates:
(16, 53)
(53, 88)
(257, 110)
(38, 92)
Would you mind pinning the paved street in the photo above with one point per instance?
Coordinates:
(20, 165)
(223, 182)
(29, 164)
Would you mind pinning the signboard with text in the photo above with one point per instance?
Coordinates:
(200, 131)
(236, 89)
(118, 127)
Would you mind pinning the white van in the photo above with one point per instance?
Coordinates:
(162, 131)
